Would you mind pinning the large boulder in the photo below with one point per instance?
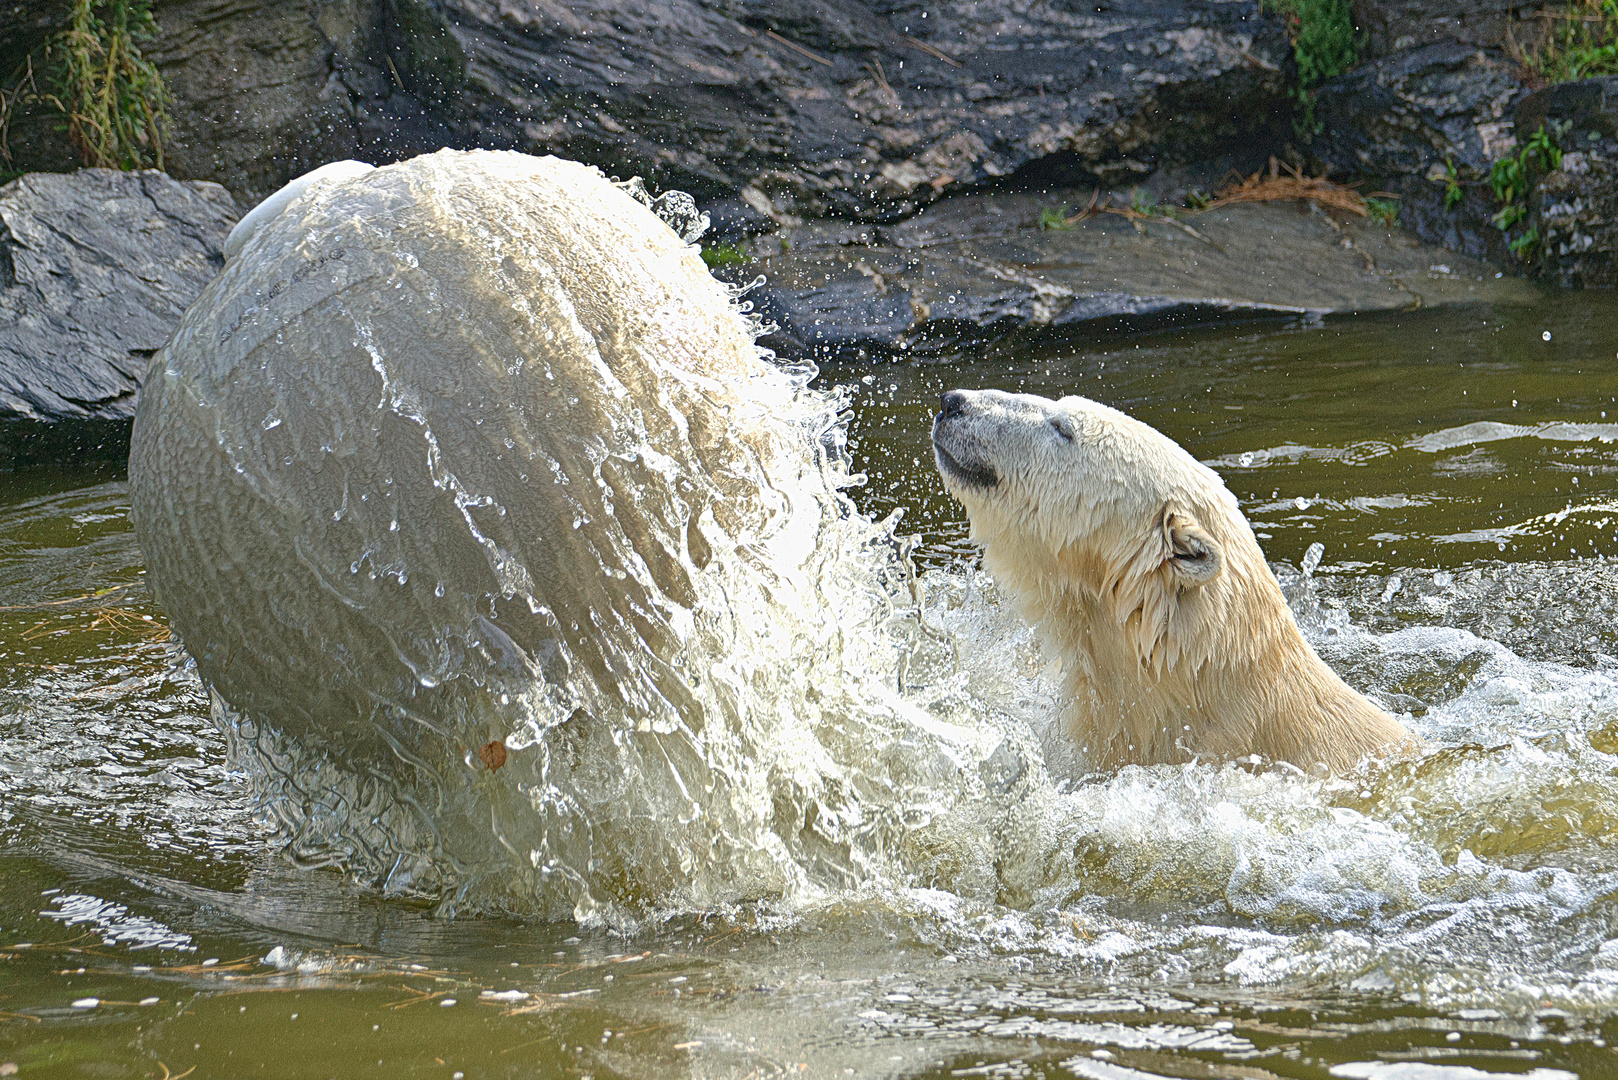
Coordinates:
(96, 268)
(263, 90)
(1429, 122)
(1391, 26)
(765, 109)
(868, 110)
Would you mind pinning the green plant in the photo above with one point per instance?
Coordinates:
(723, 255)
(1146, 204)
(1513, 177)
(1523, 246)
(1324, 43)
(1584, 45)
(1054, 217)
(1324, 40)
(113, 96)
(1197, 199)
(1383, 210)
(1509, 215)
(1452, 186)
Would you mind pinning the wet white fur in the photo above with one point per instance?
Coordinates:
(260, 215)
(1137, 565)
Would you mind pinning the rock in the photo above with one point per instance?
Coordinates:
(1581, 112)
(1399, 123)
(263, 91)
(96, 268)
(1426, 122)
(1575, 208)
(1392, 26)
(1577, 217)
(772, 110)
(860, 110)
(978, 267)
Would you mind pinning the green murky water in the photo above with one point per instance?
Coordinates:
(1451, 918)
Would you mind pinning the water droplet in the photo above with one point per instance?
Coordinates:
(1393, 587)
(1311, 558)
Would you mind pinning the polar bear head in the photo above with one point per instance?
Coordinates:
(1071, 493)
(1136, 563)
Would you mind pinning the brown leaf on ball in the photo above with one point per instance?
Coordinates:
(493, 754)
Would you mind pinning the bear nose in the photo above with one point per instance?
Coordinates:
(954, 403)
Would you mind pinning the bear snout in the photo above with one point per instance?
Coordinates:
(959, 455)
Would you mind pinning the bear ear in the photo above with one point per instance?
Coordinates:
(1193, 556)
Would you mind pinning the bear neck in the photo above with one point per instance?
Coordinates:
(1232, 675)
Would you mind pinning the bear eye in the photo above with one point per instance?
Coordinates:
(1063, 426)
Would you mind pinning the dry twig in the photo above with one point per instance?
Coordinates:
(795, 47)
(1293, 184)
(931, 50)
(875, 68)
(1137, 219)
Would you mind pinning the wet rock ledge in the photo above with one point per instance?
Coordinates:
(981, 266)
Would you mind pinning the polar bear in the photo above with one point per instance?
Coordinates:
(1138, 567)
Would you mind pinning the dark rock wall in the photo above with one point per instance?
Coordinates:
(1575, 208)
(858, 110)
(1444, 89)
(1392, 26)
(773, 109)
(1399, 122)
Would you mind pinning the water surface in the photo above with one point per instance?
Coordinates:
(1454, 916)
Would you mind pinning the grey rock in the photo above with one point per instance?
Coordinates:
(865, 110)
(1578, 221)
(96, 268)
(1575, 208)
(263, 90)
(1580, 112)
(973, 268)
(773, 108)
(1392, 26)
(1401, 122)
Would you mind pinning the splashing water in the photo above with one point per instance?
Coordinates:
(531, 484)
(717, 681)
